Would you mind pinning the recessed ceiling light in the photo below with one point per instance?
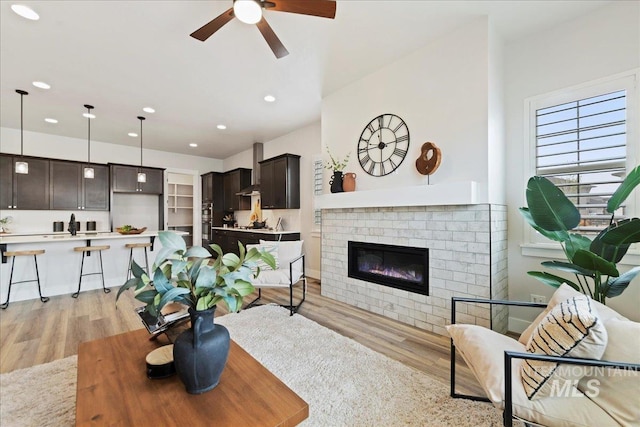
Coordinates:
(25, 12)
(270, 98)
(193, 145)
(89, 115)
(132, 134)
(221, 127)
(48, 120)
(41, 85)
(148, 110)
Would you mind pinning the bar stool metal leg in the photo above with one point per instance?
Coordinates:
(6, 303)
(104, 288)
(85, 252)
(75, 294)
(131, 247)
(43, 299)
(37, 279)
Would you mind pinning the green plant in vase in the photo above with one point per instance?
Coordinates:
(592, 262)
(191, 276)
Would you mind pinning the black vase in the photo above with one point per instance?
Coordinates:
(200, 353)
(336, 182)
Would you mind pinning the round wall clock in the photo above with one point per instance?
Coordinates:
(383, 145)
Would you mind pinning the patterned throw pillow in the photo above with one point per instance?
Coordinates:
(572, 329)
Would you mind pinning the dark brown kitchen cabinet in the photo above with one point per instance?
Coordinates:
(234, 181)
(207, 187)
(70, 190)
(25, 191)
(280, 182)
(6, 182)
(124, 179)
(228, 238)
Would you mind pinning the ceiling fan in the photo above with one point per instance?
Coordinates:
(250, 12)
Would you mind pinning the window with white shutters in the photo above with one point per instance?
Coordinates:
(581, 146)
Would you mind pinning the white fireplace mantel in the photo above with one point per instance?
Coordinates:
(450, 193)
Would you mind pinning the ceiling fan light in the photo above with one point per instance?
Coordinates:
(247, 11)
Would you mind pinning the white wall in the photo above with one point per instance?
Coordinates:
(440, 91)
(304, 142)
(597, 45)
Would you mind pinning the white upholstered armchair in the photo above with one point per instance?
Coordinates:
(289, 271)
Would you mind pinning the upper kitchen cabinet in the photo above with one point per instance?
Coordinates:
(70, 190)
(207, 187)
(124, 179)
(234, 181)
(24, 191)
(280, 182)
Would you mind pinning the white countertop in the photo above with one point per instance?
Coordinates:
(255, 230)
(67, 237)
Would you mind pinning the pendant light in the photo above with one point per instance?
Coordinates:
(22, 167)
(88, 170)
(142, 177)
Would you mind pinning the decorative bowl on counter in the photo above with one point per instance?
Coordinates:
(130, 230)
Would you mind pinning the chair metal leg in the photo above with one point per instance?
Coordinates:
(6, 303)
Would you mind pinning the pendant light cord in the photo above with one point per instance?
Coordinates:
(22, 94)
(141, 119)
(89, 135)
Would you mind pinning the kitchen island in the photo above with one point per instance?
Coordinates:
(59, 266)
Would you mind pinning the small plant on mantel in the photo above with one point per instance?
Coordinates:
(336, 165)
(192, 277)
(593, 262)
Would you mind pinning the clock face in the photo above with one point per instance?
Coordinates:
(383, 145)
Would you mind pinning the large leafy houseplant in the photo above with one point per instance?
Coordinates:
(593, 262)
(192, 277)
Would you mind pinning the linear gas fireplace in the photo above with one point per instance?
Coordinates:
(400, 267)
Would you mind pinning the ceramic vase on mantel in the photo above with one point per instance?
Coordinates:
(336, 182)
(349, 182)
(200, 353)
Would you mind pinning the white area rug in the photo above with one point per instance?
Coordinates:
(345, 383)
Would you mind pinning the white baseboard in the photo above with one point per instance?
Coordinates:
(518, 325)
(314, 274)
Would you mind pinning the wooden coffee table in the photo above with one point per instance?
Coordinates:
(113, 389)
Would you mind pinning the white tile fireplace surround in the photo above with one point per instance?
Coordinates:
(467, 258)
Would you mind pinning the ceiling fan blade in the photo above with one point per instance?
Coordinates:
(321, 8)
(272, 40)
(211, 27)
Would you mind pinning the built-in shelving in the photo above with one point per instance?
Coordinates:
(180, 204)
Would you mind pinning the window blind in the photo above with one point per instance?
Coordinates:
(581, 146)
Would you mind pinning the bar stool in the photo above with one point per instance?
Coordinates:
(131, 247)
(15, 254)
(86, 251)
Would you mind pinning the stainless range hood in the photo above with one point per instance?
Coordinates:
(254, 188)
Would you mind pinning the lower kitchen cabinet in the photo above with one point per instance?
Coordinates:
(228, 239)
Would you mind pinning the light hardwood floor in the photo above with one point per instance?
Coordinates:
(32, 333)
